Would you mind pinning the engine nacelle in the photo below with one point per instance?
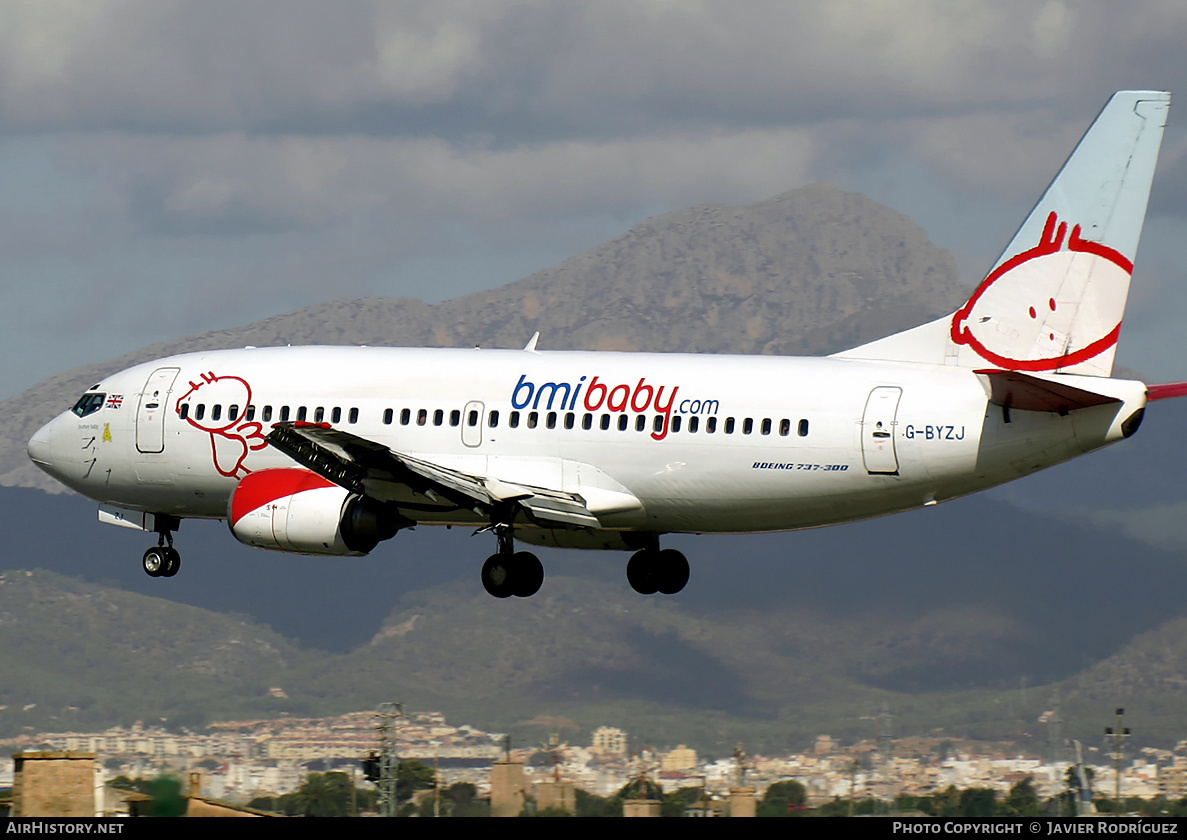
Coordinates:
(290, 509)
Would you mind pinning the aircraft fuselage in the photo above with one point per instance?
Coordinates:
(705, 443)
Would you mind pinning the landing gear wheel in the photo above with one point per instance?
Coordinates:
(673, 571)
(154, 561)
(172, 561)
(650, 571)
(641, 572)
(498, 576)
(527, 574)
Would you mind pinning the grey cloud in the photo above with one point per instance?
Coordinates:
(522, 70)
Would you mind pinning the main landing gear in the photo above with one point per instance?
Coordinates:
(163, 560)
(654, 570)
(509, 572)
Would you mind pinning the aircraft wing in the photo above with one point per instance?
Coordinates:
(369, 468)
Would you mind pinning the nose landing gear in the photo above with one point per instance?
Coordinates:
(163, 560)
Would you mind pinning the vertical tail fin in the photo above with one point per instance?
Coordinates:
(1055, 298)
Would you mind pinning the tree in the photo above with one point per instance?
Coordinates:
(464, 802)
(322, 797)
(592, 805)
(678, 801)
(167, 800)
(783, 799)
(978, 802)
(1023, 800)
(411, 776)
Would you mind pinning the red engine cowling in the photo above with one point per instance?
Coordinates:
(290, 509)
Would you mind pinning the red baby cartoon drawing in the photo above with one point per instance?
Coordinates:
(231, 437)
(1049, 307)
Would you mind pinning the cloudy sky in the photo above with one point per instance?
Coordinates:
(169, 168)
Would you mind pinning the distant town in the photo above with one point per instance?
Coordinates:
(238, 761)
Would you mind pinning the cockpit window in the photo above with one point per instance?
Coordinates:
(88, 404)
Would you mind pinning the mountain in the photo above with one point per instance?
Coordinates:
(952, 616)
(74, 654)
(813, 270)
(944, 614)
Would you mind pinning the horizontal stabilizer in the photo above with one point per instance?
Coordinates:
(1012, 389)
(1166, 392)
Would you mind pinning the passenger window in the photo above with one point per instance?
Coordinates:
(472, 418)
(569, 420)
(785, 427)
(250, 414)
(533, 418)
(267, 413)
(422, 416)
(693, 424)
(387, 417)
(729, 425)
(405, 416)
(284, 413)
(438, 417)
(319, 414)
(513, 420)
(455, 417)
(551, 421)
(336, 415)
(200, 412)
(185, 411)
(233, 412)
(216, 413)
(587, 421)
(711, 425)
(766, 425)
(803, 430)
(605, 424)
(747, 426)
(353, 417)
(658, 425)
(676, 423)
(302, 413)
(623, 422)
(493, 421)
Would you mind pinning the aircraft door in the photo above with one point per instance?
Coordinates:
(472, 423)
(878, 431)
(151, 410)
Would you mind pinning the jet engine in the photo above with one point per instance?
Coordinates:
(289, 509)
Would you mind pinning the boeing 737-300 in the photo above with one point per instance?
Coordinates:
(331, 450)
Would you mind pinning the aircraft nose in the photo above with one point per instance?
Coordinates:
(41, 447)
(46, 451)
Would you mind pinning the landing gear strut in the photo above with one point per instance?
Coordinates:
(653, 570)
(163, 560)
(509, 572)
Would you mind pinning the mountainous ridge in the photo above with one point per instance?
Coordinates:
(810, 271)
(796, 631)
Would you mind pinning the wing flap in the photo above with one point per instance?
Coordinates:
(370, 468)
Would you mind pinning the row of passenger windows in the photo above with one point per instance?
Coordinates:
(530, 419)
(551, 419)
(283, 414)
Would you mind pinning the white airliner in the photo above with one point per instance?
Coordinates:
(329, 450)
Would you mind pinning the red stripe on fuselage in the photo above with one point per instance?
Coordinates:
(265, 486)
